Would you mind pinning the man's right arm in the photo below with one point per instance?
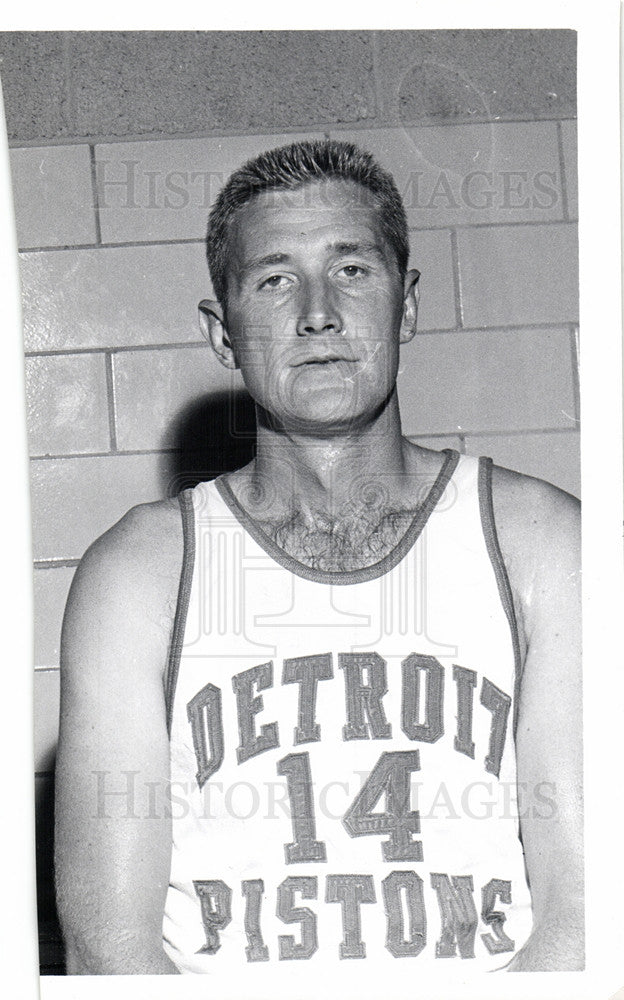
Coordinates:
(113, 827)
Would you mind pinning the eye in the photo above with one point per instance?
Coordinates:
(352, 271)
(274, 281)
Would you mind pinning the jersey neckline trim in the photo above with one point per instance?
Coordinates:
(488, 523)
(347, 577)
(185, 501)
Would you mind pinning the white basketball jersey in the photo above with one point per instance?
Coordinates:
(342, 756)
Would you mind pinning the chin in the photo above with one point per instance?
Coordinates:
(321, 423)
(323, 412)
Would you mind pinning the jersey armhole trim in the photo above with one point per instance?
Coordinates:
(185, 500)
(486, 507)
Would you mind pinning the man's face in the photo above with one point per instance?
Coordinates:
(315, 306)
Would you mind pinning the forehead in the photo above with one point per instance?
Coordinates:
(318, 211)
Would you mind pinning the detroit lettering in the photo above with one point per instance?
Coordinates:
(380, 810)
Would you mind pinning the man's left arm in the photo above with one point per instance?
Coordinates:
(540, 540)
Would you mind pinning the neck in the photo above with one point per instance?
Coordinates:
(321, 473)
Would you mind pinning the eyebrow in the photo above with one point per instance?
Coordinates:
(269, 258)
(372, 249)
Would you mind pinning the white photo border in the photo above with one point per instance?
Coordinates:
(598, 27)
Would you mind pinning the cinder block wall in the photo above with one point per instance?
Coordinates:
(120, 142)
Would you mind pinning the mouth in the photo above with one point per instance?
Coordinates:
(322, 359)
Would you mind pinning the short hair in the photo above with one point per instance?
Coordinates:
(290, 167)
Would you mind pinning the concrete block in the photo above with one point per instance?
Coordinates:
(117, 297)
(431, 254)
(470, 174)
(67, 404)
(164, 190)
(570, 161)
(153, 389)
(482, 74)
(553, 457)
(142, 82)
(46, 715)
(74, 500)
(486, 381)
(51, 587)
(519, 274)
(53, 196)
(33, 83)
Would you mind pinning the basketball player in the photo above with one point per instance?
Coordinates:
(321, 717)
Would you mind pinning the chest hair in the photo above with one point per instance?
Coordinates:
(355, 538)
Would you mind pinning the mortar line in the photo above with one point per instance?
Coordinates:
(121, 349)
(564, 179)
(380, 103)
(457, 296)
(112, 245)
(110, 395)
(66, 100)
(55, 563)
(149, 137)
(119, 453)
(201, 344)
(94, 194)
(183, 241)
(576, 384)
(521, 432)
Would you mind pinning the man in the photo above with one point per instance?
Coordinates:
(298, 704)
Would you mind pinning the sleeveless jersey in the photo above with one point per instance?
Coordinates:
(343, 766)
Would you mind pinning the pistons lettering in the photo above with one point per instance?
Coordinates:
(406, 926)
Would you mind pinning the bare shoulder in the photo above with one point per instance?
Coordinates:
(538, 528)
(127, 582)
(146, 543)
(148, 535)
(531, 511)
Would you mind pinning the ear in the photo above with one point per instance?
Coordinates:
(212, 326)
(410, 306)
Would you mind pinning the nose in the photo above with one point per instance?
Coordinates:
(318, 313)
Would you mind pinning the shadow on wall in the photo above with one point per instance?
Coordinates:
(51, 952)
(212, 436)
